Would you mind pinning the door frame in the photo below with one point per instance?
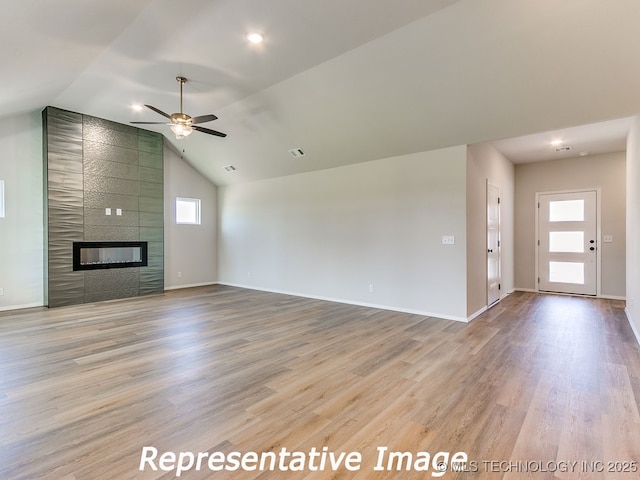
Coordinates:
(598, 235)
(499, 245)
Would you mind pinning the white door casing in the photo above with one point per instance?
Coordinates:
(493, 244)
(567, 242)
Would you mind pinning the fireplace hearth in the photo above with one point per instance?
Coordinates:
(102, 255)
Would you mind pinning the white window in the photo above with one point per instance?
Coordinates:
(188, 211)
(1, 198)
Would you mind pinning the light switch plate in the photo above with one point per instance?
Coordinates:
(119, 211)
(448, 240)
(607, 238)
(107, 211)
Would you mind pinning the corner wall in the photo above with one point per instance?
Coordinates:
(21, 230)
(633, 227)
(484, 164)
(190, 250)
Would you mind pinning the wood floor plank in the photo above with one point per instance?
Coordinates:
(535, 379)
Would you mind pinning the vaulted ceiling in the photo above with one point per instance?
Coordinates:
(345, 80)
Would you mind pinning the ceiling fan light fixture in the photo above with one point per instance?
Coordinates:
(182, 124)
(181, 130)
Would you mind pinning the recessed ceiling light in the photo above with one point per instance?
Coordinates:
(555, 143)
(137, 108)
(255, 37)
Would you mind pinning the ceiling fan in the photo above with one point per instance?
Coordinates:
(181, 123)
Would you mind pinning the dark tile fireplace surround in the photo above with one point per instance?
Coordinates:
(104, 197)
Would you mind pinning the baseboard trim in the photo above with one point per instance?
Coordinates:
(605, 297)
(20, 307)
(478, 313)
(349, 302)
(191, 285)
(612, 297)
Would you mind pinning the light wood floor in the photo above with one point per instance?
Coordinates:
(535, 379)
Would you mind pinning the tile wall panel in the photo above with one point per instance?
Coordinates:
(119, 186)
(152, 234)
(148, 219)
(95, 216)
(104, 168)
(151, 190)
(110, 295)
(109, 233)
(103, 200)
(93, 164)
(97, 281)
(98, 151)
(64, 205)
(147, 159)
(110, 133)
(148, 204)
(150, 142)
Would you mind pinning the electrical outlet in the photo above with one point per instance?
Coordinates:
(371, 289)
(448, 240)
(179, 274)
(107, 211)
(1, 292)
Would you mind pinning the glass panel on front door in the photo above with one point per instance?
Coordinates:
(566, 211)
(567, 242)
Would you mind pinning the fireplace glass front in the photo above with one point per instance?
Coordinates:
(97, 255)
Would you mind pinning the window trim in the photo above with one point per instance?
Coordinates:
(198, 206)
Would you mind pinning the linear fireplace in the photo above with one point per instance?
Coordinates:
(98, 255)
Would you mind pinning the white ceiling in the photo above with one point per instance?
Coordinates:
(592, 139)
(345, 80)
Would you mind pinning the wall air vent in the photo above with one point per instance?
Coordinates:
(563, 149)
(296, 152)
(230, 168)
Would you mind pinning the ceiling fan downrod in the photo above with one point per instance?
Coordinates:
(181, 81)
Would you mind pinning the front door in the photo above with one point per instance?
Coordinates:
(567, 242)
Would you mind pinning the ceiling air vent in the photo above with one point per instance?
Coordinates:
(296, 152)
(230, 168)
(563, 149)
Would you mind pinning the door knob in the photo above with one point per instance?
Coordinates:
(592, 241)
(592, 248)
(490, 250)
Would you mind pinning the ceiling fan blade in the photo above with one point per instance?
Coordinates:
(203, 119)
(151, 107)
(209, 131)
(149, 123)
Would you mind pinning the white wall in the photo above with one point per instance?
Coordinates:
(486, 163)
(633, 227)
(190, 250)
(333, 233)
(606, 171)
(22, 231)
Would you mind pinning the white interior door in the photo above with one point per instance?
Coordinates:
(567, 242)
(493, 244)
